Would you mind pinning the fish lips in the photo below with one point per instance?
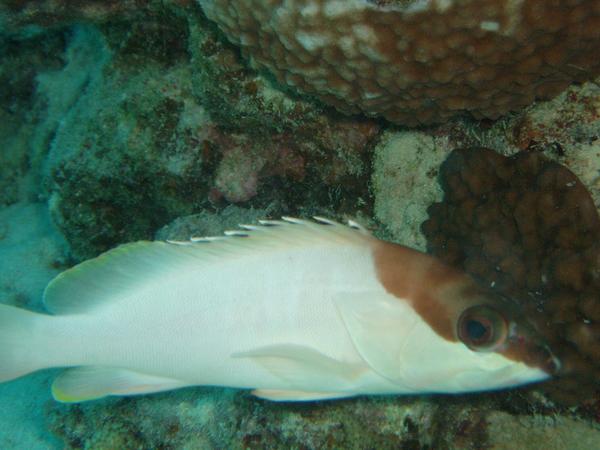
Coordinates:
(525, 345)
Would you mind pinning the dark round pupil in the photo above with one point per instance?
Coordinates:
(476, 330)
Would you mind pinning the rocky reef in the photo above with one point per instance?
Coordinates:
(140, 120)
(215, 418)
(188, 128)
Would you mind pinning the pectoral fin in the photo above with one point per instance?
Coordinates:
(298, 396)
(93, 382)
(379, 330)
(302, 366)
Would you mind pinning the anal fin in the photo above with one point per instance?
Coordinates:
(298, 396)
(93, 382)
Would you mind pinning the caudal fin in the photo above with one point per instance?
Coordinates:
(19, 354)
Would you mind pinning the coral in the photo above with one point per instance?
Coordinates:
(568, 128)
(418, 62)
(565, 129)
(238, 98)
(527, 227)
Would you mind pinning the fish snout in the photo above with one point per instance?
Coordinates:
(527, 346)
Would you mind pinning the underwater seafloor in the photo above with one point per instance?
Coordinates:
(120, 122)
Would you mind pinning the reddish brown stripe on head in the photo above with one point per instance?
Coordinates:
(440, 294)
(420, 279)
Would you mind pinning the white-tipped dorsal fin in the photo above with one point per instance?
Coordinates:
(105, 278)
(93, 382)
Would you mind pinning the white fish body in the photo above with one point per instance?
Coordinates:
(296, 310)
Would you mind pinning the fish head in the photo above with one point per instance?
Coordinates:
(493, 341)
(443, 332)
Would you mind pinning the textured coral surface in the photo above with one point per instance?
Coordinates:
(527, 227)
(418, 62)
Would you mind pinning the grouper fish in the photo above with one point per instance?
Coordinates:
(292, 309)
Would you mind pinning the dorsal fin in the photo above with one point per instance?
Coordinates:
(108, 276)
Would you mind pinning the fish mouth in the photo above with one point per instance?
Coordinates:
(550, 364)
(525, 345)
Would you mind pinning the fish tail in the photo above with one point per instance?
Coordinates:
(19, 349)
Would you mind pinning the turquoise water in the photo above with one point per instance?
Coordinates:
(29, 247)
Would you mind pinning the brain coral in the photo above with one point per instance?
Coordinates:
(528, 227)
(418, 61)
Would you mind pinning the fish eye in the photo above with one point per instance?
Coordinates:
(482, 328)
